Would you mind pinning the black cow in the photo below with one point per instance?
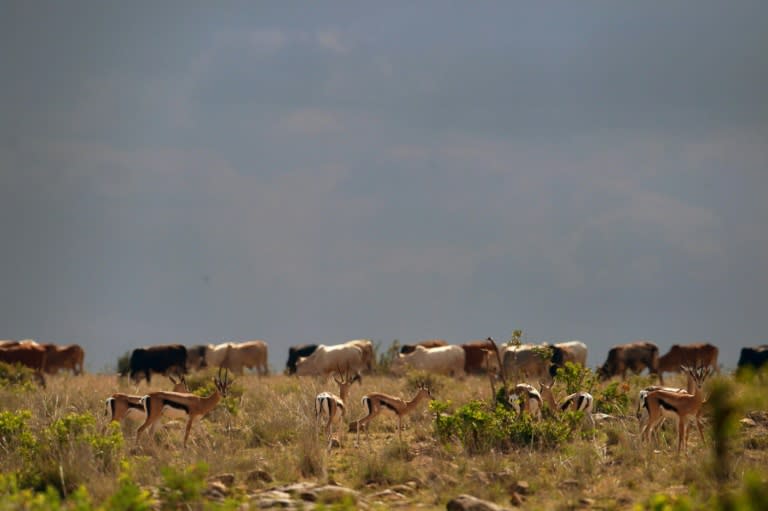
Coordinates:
(753, 357)
(160, 359)
(634, 356)
(297, 352)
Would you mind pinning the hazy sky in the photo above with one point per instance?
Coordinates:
(322, 171)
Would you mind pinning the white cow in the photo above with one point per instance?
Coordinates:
(216, 354)
(442, 360)
(327, 359)
(367, 347)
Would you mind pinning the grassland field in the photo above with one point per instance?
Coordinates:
(264, 437)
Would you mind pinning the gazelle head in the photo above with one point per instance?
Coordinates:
(346, 378)
(222, 384)
(424, 391)
(697, 374)
(179, 385)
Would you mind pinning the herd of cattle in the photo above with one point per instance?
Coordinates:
(534, 362)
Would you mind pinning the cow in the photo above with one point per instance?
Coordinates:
(753, 358)
(571, 351)
(297, 352)
(691, 355)
(447, 360)
(431, 343)
(216, 354)
(28, 355)
(249, 354)
(635, 356)
(479, 357)
(196, 357)
(527, 362)
(366, 346)
(327, 359)
(64, 357)
(163, 359)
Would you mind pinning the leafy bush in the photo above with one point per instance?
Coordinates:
(17, 376)
(613, 399)
(576, 378)
(480, 428)
(15, 433)
(182, 487)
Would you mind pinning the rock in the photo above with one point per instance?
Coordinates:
(516, 499)
(329, 494)
(470, 503)
(748, 423)
(387, 495)
(216, 490)
(279, 503)
(586, 502)
(403, 489)
(522, 487)
(569, 483)
(258, 475)
(225, 479)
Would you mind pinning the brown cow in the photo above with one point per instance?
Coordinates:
(635, 356)
(692, 355)
(64, 357)
(476, 357)
(431, 343)
(31, 356)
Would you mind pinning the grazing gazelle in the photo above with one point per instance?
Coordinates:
(683, 406)
(524, 398)
(192, 406)
(642, 411)
(333, 405)
(376, 401)
(578, 401)
(128, 406)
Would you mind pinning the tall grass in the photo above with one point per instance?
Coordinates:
(56, 443)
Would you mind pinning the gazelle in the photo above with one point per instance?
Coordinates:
(578, 401)
(642, 411)
(193, 407)
(375, 402)
(524, 398)
(333, 405)
(128, 406)
(682, 405)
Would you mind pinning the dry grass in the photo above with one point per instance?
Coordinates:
(270, 425)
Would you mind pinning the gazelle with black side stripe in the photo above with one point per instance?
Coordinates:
(682, 405)
(189, 405)
(375, 402)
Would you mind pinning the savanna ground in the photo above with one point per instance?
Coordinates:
(58, 450)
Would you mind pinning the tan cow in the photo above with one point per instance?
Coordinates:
(64, 357)
(527, 362)
(692, 355)
(249, 354)
(31, 356)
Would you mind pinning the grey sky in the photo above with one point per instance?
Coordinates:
(175, 172)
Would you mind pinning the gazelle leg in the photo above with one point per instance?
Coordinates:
(186, 432)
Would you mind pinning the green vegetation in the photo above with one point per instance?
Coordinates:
(59, 451)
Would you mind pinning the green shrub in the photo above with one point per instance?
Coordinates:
(576, 378)
(181, 488)
(479, 428)
(613, 399)
(17, 376)
(15, 433)
(129, 496)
